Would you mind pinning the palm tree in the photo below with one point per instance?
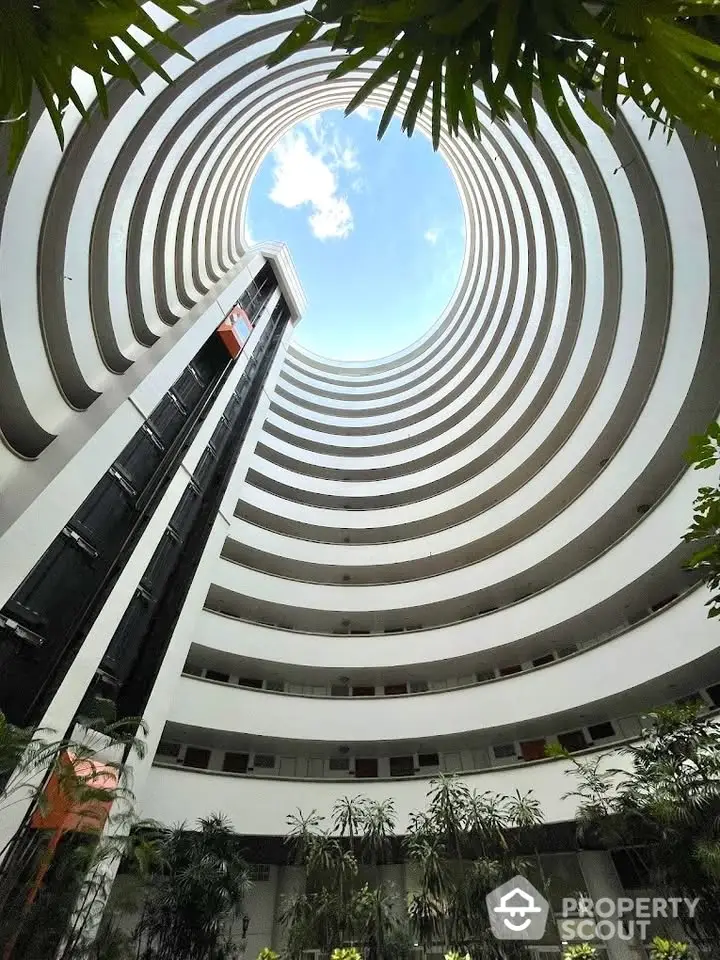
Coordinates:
(196, 896)
(465, 844)
(666, 808)
(42, 43)
(348, 817)
(62, 780)
(138, 845)
(375, 919)
(336, 907)
(653, 53)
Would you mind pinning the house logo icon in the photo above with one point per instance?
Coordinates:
(517, 911)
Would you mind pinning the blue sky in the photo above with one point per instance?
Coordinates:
(375, 230)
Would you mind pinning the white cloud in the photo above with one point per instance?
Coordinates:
(432, 235)
(366, 113)
(307, 162)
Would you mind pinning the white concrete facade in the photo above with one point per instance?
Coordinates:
(431, 562)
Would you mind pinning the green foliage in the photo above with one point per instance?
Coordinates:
(195, 897)
(28, 755)
(267, 954)
(337, 906)
(345, 953)
(556, 751)
(42, 43)
(93, 931)
(579, 951)
(664, 809)
(465, 844)
(662, 949)
(62, 917)
(659, 53)
(704, 452)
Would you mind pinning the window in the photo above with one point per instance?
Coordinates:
(197, 757)
(692, 699)
(264, 761)
(631, 868)
(250, 682)
(428, 760)
(541, 661)
(220, 435)
(140, 458)
(277, 685)
(162, 563)
(566, 651)
(217, 675)
(339, 691)
(124, 647)
(504, 750)
(106, 517)
(484, 675)
(532, 749)
(192, 670)
(395, 689)
(168, 749)
(509, 671)
(402, 766)
(185, 512)
(363, 691)
(600, 731)
(235, 763)
(418, 686)
(366, 767)
(204, 469)
(259, 872)
(187, 389)
(574, 740)
(714, 694)
(338, 764)
(167, 420)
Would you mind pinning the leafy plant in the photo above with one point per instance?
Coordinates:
(195, 897)
(336, 906)
(704, 452)
(51, 868)
(42, 43)
(665, 810)
(345, 953)
(267, 954)
(662, 949)
(464, 845)
(661, 54)
(93, 928)
(579, 951)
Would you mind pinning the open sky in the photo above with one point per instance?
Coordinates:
(375, 230)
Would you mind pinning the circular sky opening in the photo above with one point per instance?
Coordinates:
(375, 229)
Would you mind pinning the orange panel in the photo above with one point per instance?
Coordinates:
(225, 332)
(234, 330)
(60, 810)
